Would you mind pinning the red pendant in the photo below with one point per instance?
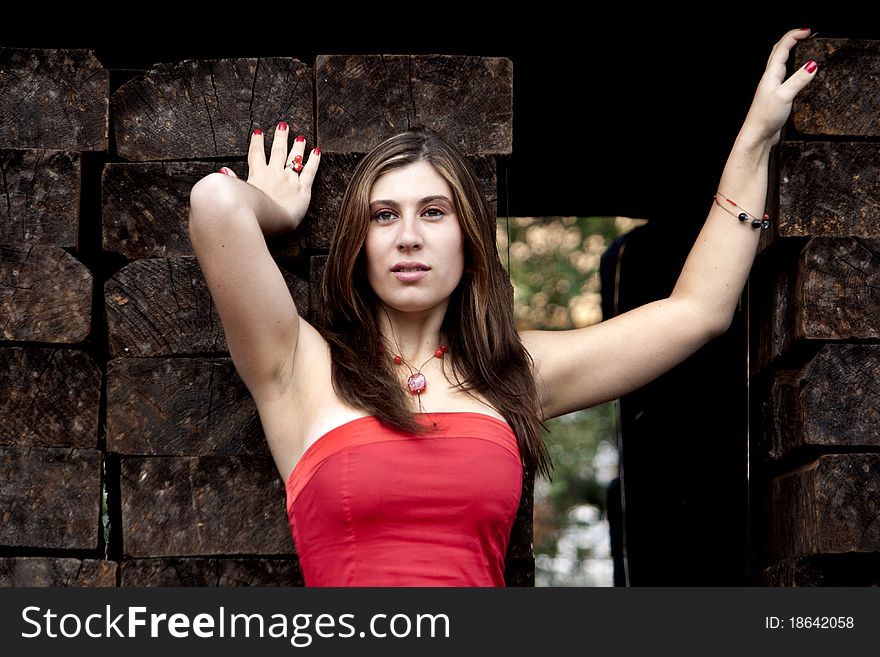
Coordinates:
(416, 383)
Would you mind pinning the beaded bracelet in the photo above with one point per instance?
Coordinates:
(743, 215)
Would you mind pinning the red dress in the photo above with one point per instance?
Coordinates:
(370, 506)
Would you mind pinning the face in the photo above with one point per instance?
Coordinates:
(414, 246)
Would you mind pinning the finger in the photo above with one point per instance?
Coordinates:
(278, 155)
(782, 49)
(311, 168)
(295, 157)
(227, 171)
(799, 79)
(256, 156)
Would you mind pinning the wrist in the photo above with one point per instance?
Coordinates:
(748, 141)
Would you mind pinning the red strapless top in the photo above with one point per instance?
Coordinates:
(370, 506)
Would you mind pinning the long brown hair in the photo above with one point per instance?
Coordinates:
(487, 354)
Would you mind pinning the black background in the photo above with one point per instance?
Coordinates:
(617, 109)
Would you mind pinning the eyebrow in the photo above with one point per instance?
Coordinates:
(423, 201)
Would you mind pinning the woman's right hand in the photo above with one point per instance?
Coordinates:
(290, 187)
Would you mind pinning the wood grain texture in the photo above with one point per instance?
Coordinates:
(364, 99)
(50, 497)
(829, 189)
(56, 571)
(203, 506)
(162, 307)
(145, 207)
(842, 99)
(55, 99)
(51, 398)
(42, 192)
(180, 407)
(832, 401)
(45, 295)
(209, 108)
(830, 506)
(838, 290)
(210, 572)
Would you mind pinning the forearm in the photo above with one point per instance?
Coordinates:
(718, 265)
(219, 196)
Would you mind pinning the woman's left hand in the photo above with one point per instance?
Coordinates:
(773, 99)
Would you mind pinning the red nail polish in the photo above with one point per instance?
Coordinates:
(810, 66)
(257, 131)
(223, 170)
(282, 125)
(316, 151)
(300, 138)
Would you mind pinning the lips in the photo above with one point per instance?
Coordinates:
(409, 267)
(409, 272)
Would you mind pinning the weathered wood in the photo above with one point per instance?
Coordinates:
(48, 571)
(838, 290)
(842, 99)
(56, 99)
(825, 570)
(162, 307)
(180, 407)
(831, 401)
(42, 190)
(145, 207)
(209, 108)
(829, 189)
(45, 295)
(50, 398)
(210, 572)
(830, 506)
(50, 497)
(209, 505)
(363, 99)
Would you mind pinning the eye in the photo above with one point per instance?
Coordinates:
(384, 216)
(434, 213)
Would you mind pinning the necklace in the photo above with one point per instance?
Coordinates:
(416, 383)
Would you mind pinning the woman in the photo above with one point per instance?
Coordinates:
(404, 422)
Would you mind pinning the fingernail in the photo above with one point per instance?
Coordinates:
(316, 151)
(810, 66)
(223, 170)
(257, 131)
(300, 138)
(282, 125)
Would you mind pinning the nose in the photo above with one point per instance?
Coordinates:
(409, 236)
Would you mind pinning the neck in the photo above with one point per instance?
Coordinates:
(413, 336)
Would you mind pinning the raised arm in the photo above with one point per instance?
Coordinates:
(228, 222)
(583, 367)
